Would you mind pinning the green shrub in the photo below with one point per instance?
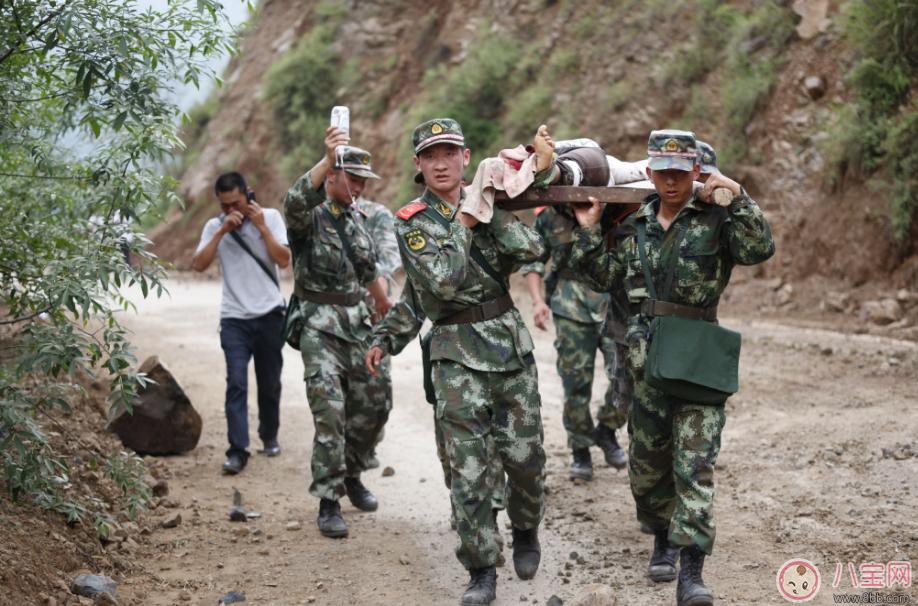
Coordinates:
(714, 22)
(300, 88)
(901, 149)
(303, 86)
(529, 108)
(885, 35)
(97, 74)
(746, 50)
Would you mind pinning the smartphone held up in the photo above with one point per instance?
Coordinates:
(341, 118)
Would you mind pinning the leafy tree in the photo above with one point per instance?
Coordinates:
(86, 112)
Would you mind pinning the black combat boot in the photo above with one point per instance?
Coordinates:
(663, 559)
(330, 522)
(482, 587)
(582, 466)
(691, 590)
(613, 453)
(360, 497)
(526, 552)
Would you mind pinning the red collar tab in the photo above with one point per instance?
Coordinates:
(410, 210)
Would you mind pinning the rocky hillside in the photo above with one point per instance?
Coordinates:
(763, 82)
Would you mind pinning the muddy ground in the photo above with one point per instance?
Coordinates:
(818, 461)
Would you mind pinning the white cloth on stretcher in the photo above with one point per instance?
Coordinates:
(513, 170)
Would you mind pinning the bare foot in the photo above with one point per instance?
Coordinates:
(544, 148)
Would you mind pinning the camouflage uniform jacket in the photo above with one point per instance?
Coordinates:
(715, 239)
(443, 279)
(381, 226)
(320, 263)
(572, 297)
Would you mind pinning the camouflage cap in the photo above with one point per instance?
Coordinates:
(672, 149)
(438, 130)
(355, 161)
(708, 158)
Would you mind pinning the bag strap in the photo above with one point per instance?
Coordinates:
(474, 251)
(348, 250)
(670, 268)
(641, 241)
(673, 258)
(258, 260)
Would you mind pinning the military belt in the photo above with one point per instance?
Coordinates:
(655, 307)
(348, 299)
(486, 311)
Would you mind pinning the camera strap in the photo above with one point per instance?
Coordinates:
(258, 260)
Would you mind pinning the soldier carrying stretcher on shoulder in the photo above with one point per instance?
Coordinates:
(483, 373)
(674, 262)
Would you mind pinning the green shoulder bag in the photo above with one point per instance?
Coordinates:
(693, 360)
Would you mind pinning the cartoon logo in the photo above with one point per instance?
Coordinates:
(798, 580)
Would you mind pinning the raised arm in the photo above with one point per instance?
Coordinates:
(309, 190)
(601, 268)
(515, 239)
(747, 233)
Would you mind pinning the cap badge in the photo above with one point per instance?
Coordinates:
(436, 129)
(671, 145)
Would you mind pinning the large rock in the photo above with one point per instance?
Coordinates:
(163, 420)
(93, 586)
(884, 311)
(594, 595)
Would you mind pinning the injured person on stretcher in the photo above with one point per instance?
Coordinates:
(573, 162)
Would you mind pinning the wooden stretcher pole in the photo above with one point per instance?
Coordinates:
(562, 194)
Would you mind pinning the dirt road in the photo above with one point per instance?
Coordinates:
(818, 462)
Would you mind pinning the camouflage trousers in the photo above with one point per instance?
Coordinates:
(496, 479)
(348, 409)
(620, 392)
(576, 344)
(673, 448)
(384, 378)
(475, 406)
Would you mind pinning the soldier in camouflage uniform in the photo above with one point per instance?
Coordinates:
(380, 225)
(674, 443)
(483, 371)
(334, 258)
(578, 314)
